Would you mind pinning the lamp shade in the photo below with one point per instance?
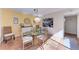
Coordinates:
(37, 19)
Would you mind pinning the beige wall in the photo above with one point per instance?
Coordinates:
(7, 19)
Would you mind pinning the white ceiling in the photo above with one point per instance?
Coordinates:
(44, 11)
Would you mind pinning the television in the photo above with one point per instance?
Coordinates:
(48, 22)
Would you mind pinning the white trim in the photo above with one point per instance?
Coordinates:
(1, 39)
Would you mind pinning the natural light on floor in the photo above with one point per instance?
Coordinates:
(67, 42)
(71, 42)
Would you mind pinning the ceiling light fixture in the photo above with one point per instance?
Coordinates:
(37, 17)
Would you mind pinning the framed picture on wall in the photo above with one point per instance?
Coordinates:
(48, 22)
(27, 22)
(15, 20)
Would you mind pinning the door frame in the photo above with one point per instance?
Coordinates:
(65, 21)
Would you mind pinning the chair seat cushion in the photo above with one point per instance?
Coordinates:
(27, 39)
(8, 34)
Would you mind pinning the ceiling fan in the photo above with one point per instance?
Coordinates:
(37, 15)
(36, 12)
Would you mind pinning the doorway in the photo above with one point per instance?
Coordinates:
(70, 32)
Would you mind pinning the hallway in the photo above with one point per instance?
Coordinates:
(71, 42)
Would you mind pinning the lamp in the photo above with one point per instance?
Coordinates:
(37, 19)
